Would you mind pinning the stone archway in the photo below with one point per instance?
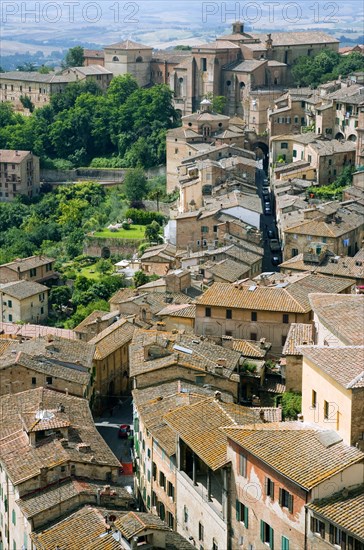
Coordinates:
(339, 136)
(352, 137)
(105, 252)
(261, 151)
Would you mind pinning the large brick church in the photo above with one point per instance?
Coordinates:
(233, 66)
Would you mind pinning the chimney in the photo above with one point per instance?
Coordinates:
(262, 416)
(227, 342)
(221, 361)
(300, 417)
(262, 343)
(217, 395)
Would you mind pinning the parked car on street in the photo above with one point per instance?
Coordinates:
(265, 192)
(271, 234)
(274, 245)
(265, 182)
(267, 210)
(275, 260)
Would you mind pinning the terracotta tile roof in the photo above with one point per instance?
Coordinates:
(39, 501)
(344, 364)
(35, 331)
(229, 270)
(93, 53)
(297, 38)
(23, 461)
(22, 289)
(10, 155)
(24, 264)
(180, 349)
(304, 455)
(142, 396)
(341, 314)
(345, 509)
(112, 338)
(5, 343)
(132, 524)
(298, 334)
(52, 349)
(152, 412)
(90, 319)
(83, 529)
(122, 295)
(198, 425)
(332, 265)
(49, 367)
(321, 228)
(179, 310)
(288, 298)
(249, 349)
(128, 45)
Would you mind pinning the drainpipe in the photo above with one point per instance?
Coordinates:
(306, 529)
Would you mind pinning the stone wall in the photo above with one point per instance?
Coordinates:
(104, 248)
(112, 175)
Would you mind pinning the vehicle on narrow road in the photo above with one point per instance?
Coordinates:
(265, 192)
(275, 260)
(267, 210)
(124, 431)
(271, 234)
(274, 245)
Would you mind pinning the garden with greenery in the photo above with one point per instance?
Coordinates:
(83, 126)
(325, 66)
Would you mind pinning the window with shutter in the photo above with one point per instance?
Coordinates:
(285, 543)
(242, 465)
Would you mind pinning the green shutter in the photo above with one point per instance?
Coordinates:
(280, 496)
(290, 503)
(237, 509)
(246, 517)
(262, 530)
(285, 543)
(272, 494)
(271, 538)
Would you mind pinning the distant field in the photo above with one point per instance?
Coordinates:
(135, 232)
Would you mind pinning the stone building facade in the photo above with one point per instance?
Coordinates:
(19, 174)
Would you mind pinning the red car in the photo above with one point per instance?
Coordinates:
(124, 431)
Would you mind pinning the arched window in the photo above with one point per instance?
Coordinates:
(242, 85)
(139, 59)
(180, 80)
(115, 58)
(228, 83)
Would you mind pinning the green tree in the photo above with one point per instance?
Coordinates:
(291, 405)
(135, 184)
(140, 278)
(152, 232)
(74, 57)
(121, 87)
(60, 296)
(218, 102)
(26, 102)
(104, 266)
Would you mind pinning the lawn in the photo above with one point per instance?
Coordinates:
(135, 232)
(89, 272)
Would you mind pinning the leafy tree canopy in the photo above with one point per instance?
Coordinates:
(325, 66)
(74, 57)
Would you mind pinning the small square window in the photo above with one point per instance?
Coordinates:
(34, 381)
(253, 336)
(285, 318)
(254, 316)
(207, 312)
(49, 379)
(229, 314)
